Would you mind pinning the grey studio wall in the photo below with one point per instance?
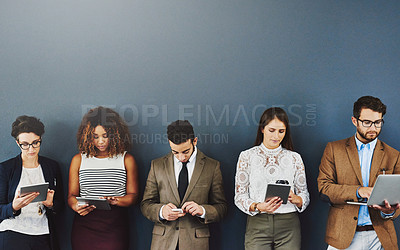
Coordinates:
(218, 63)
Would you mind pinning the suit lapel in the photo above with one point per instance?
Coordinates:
(16, 177)
(45, 170)
(352, 153)
(198, 169)
(170, 172)
(377, 158)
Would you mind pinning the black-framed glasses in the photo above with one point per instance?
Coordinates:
(282, 182)
(368, 123)
(25, 145)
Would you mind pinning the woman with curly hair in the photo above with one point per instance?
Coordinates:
(102, 169)
(26, 223)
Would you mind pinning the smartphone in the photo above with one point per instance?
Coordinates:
(177, 210)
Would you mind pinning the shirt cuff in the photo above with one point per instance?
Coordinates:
(303, 202)
(387, 216)
(204, 213)
(160, 214)
(251, 213)
(358, 196)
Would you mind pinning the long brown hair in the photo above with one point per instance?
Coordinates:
(266, 118)
(113, 124)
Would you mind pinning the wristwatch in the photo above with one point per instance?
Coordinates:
(256, 209)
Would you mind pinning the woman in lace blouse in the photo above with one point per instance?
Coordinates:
(271, 224)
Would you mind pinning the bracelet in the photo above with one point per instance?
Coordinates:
(256, 209)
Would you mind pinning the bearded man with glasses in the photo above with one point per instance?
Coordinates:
(348, 171)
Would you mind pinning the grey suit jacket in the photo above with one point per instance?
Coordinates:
(205, 188)
(338, 180)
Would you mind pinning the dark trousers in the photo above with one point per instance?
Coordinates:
(18, 241)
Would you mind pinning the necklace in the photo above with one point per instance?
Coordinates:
(31, 182)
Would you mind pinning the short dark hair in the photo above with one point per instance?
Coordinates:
(267, 117)
(27, 124)
(368, 102)
(180, 131)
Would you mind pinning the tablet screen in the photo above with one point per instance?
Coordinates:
(279, 190)
(41, 188)
(101, 204)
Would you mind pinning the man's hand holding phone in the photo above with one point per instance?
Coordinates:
(170, 212)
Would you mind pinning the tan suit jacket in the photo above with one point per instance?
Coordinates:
(338, 180)
(205, 188)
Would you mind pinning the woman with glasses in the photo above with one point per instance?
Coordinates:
(102, 169)
(24, 223)
(270, 223)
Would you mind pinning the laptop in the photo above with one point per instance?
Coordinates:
(386, 188)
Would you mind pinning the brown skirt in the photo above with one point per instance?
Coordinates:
(101, 230)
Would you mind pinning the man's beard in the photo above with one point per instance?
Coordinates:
(364, 135)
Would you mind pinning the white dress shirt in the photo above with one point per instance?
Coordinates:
(190, 167)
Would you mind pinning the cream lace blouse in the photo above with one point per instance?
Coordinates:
(258, 166)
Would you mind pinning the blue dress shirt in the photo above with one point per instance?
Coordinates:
(365, 153)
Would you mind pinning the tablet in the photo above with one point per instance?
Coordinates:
(280, 190)
(41, 188)
(101, 204)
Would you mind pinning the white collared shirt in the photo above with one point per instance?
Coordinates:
(177, 169)
(190, 166)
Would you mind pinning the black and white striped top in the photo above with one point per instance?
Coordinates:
(100, 177)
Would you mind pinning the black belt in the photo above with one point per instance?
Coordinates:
(364, 228)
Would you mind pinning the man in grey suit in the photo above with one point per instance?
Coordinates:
(184, 193)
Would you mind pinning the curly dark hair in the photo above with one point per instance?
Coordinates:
(27, 124)
(180, 131)
(368, 102)
(113, 124)
(268, 116)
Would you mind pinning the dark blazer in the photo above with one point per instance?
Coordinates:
(338, 180)
(205, 188)
(10, 174)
